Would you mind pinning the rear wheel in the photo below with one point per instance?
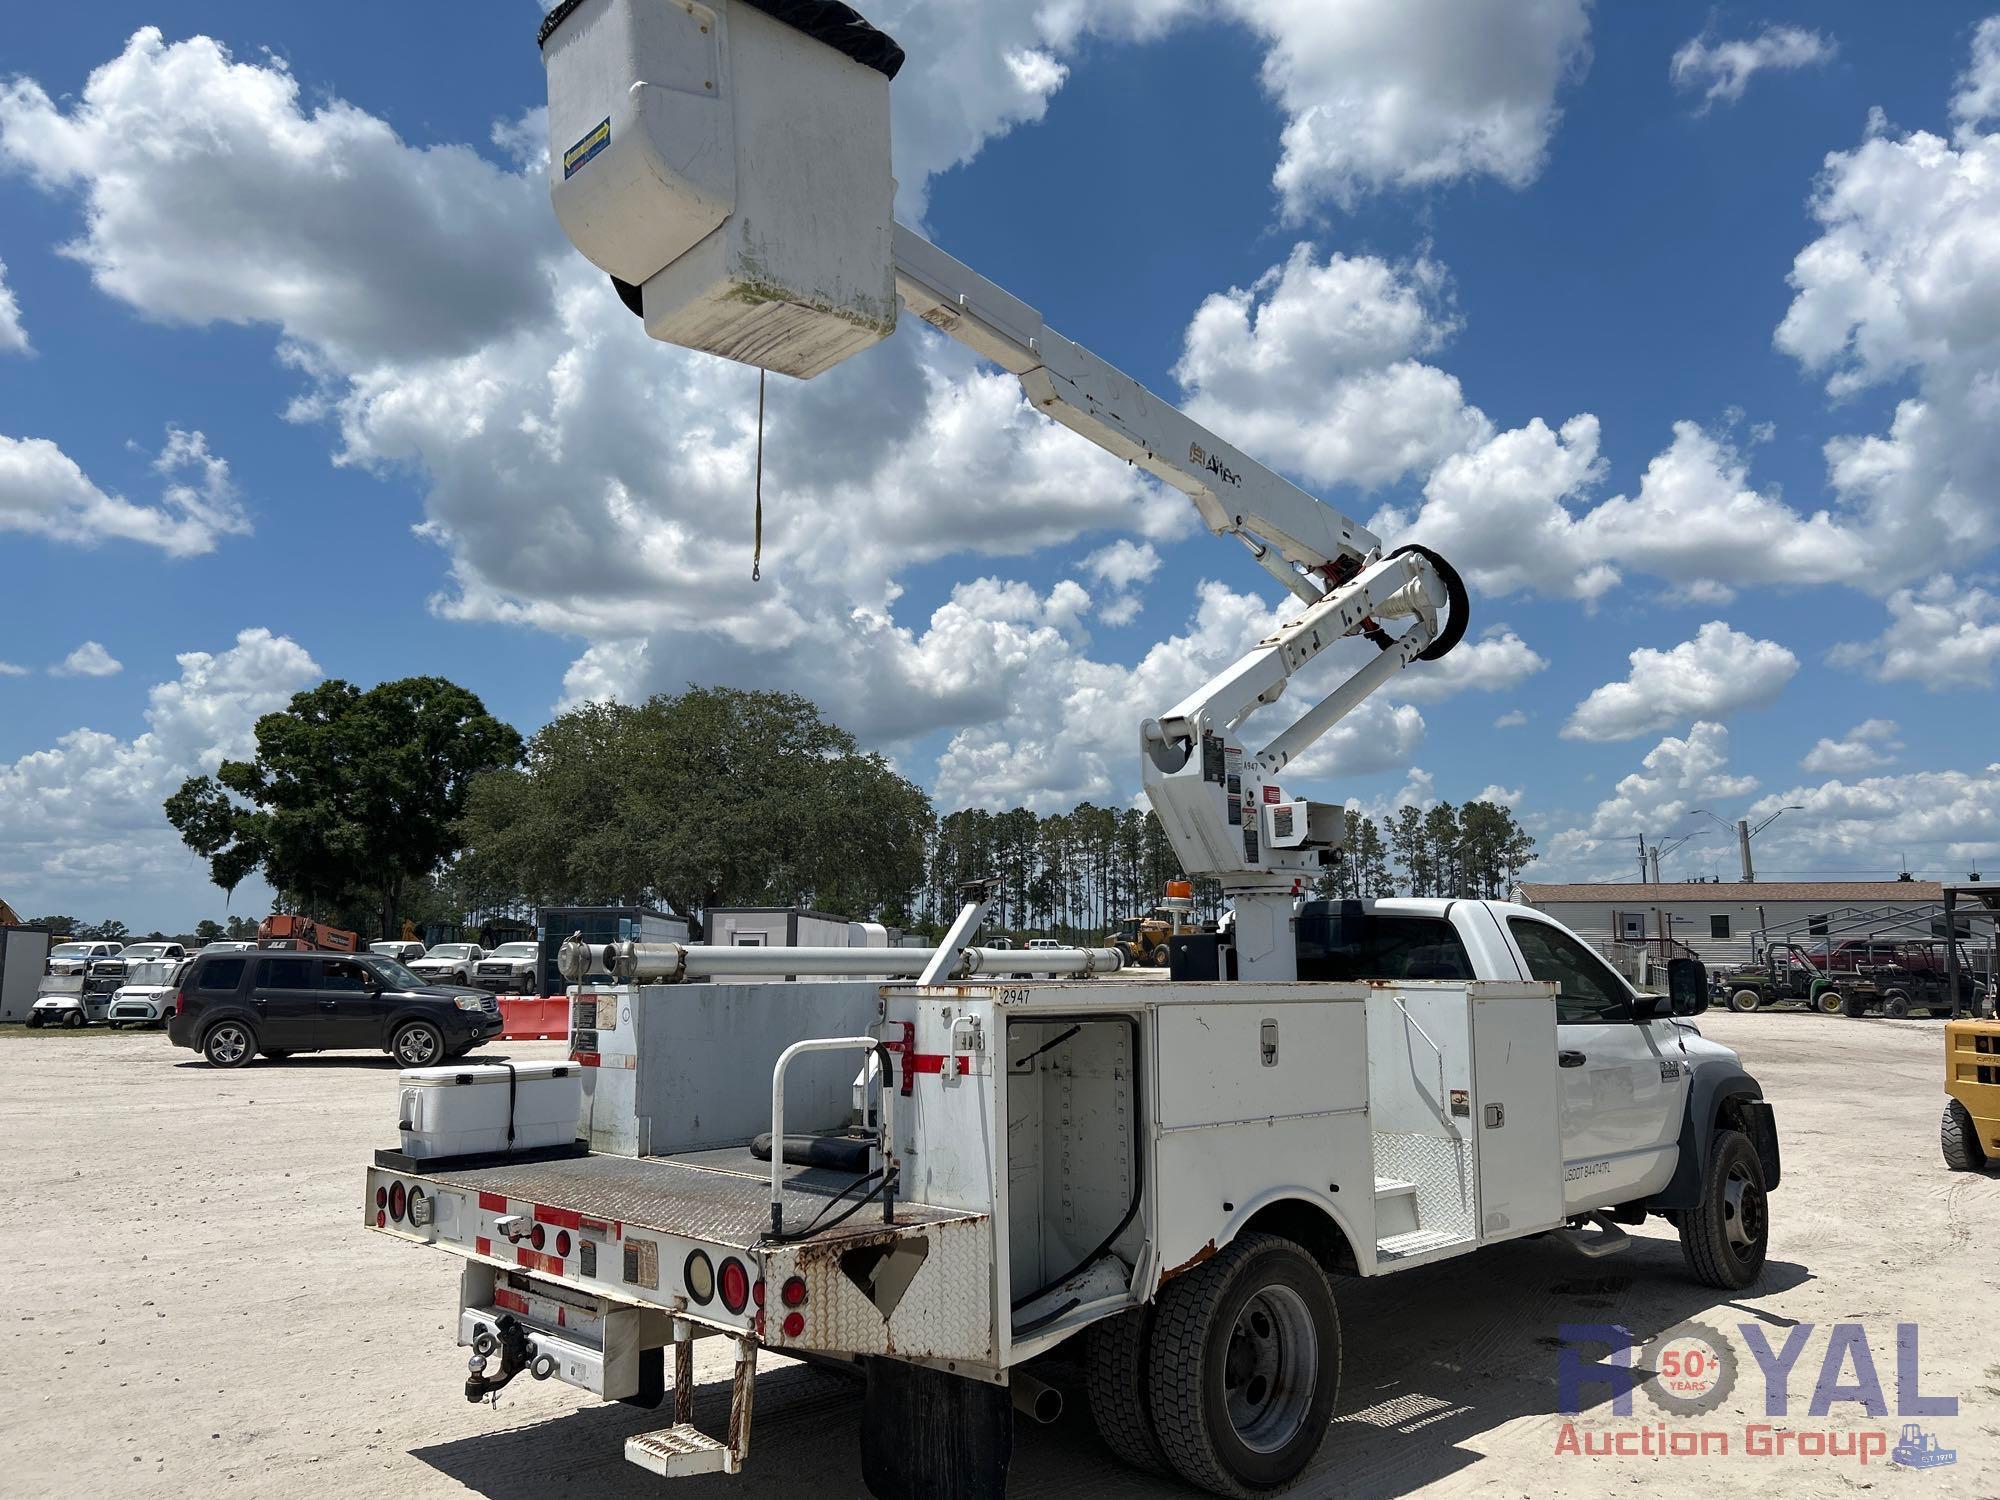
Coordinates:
(1854, 1005)
(228, 1044)
(1725, 1235)
(1245, 1367)
(1745, 999)
(1960, 1139)
(418, 1045)
(1827, 1002)
(1116, 1355)
(1896, 1004)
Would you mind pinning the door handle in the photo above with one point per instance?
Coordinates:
(326, 1005)
(1571, 1059)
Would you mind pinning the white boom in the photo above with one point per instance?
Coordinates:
(748, 214)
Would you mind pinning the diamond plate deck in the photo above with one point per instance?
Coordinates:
(674, 1452)
(707, 1196)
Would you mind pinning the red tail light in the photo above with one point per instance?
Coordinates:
(735, 1285)
(794, 1291)
(397, 1200)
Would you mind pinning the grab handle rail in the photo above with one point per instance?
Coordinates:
(1443, 1103)
(885, 1142)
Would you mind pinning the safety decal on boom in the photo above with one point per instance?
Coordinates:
(579, 156)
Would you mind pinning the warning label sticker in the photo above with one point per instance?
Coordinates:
(581, 154)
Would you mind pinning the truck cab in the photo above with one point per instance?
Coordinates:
(1627, 1066)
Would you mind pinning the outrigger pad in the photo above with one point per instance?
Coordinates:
(926, 1435)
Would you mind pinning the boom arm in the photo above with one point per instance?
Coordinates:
(735, 182)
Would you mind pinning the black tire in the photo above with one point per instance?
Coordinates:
(1896, 1004)
(1853, 1005)
(1116, 1360)
(73, 1020)
(417, 1044)
(1828, 1002)
(1745, 1000)
(34, 1021)
(1227, 1421)
(229, 1044)
(1960, 1139)
(1725, 1236)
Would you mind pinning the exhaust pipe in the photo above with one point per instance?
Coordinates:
(1035, 1398)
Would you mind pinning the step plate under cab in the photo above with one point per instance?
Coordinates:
(679, 1451)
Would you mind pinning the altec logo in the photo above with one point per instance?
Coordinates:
(1201, 458)
(1688, 1371)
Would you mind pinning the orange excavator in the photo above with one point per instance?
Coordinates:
(304, 935)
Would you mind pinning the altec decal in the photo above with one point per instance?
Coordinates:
(1201, 458)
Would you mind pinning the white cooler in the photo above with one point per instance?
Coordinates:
(467, 1111)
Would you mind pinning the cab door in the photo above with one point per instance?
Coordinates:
(352, 1009)
(1624, 1079)
(285, 996)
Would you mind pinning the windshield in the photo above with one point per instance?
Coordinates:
(145, 950)
(513, 950)
(451, 950)
(70, 950)
(391, 973)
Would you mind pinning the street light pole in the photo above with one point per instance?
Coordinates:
(1744, 833)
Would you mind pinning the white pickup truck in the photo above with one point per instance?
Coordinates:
(1178, 1173)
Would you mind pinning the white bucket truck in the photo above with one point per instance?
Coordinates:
(1176, 1171)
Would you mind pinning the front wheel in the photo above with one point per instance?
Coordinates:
(228, 1044)
(1745, 1000)
(72, 1020)
(1245, 1367)
(1724, 1237)
(1959, 1137)
(418, 1045)
(34, 1020)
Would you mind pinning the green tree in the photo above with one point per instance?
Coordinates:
(351, 795)
(57, 926)
(1493, 847)
(715, 797)
(207, 931)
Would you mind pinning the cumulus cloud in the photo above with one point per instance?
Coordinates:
(1901, 286)
(1506, 512)
(1723, 68)
(1314, 368)
(1945, 820)
(88, 660)
(1413, 93)
(11, 669)
(81, 817)
(13, 338)
(1514, 718)
(1943, 635)
(1717, 673)
(1868, 746)
(43, 491)
(1677, 775)
(1978, 96)
(1123, 566)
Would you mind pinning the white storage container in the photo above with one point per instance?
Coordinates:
(464, 1111)
(733, 167)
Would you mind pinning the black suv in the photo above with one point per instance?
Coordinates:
(231, 1006)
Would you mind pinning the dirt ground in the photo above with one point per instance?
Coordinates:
(193, 1308)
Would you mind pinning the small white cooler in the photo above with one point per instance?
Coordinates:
(468, 1111)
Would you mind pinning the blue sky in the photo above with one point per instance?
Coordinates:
(427, 444)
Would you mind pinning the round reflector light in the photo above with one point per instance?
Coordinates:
(539, 1237)
(397, 1202)
(698, 1276)
(381, 1219)
(795, 1324)
(757, 1291)
(381, 1197)
(562, 1243)
(735, 1286)
(794, 1291)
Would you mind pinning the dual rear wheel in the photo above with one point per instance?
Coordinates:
(1229, 1379)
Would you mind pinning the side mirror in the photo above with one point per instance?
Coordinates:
(1645, 1007)
(1687, 986)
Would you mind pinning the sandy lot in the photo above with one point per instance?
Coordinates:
(193, 1309)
